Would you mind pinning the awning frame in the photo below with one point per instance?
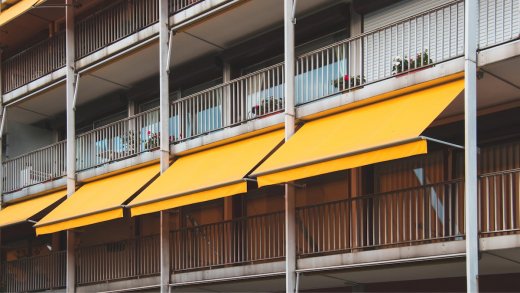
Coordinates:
(188, 192)
(357, 152)
(78, 216)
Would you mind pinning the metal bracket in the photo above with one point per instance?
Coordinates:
(170, 48)
(297, 286)
(293, 184)
(74, 97)
(293, 18)
(4, 112)
(442, 142)
(36, 5)
(280, 184)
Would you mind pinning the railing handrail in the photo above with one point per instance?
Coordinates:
(501, 172)
(240, 219)
(128, 240)
(118, 122)
(11, 58)
(34, 151)
(382, 194)
(98, 12)
(51, 254)
(227, 83)
(364, 34)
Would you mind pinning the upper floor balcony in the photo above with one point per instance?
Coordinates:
(421, 41)
(96, 31)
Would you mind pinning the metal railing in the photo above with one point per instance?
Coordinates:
(499, 22)
(420, 41)
(404, 217)
(38, 166)
(255, 95)
(118, 260)
(178, 5)
(34, 273)
(118, 140)
(33, 63)
(113, 23)
(245, 240)
(499, 196)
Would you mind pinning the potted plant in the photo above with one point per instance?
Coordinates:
(267, 105)
(401, 64)
(154, 140)
(343, 81)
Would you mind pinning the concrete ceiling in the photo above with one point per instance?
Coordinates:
(249, 19)
(499, 85)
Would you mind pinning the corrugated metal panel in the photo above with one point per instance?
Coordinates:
(439, 32)
(499, 21)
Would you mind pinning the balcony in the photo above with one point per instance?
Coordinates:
(428, 214)
(94, 32)
(334, 69)
(439, 32)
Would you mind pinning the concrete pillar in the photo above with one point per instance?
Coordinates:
(71, 133)
(2, 124)
(164, 105)
(290, 217)
(470, 142)
(3, 112)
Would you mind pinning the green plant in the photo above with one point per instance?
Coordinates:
(152, 141)
(267, 105)
(403, 64)
(343, 81)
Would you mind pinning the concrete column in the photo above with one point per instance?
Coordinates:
(164, 105)
(2, 125)
(290, 217)
(470, 142)
(71, 131)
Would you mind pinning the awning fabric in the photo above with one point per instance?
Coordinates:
(17, 9)
(351, 139)
(97, 201)
(22, 211)
(206, 175)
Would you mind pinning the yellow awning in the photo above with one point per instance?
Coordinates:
(17, 9)
(370, 134)
(206, 175)
(97, 201)
(22, 211)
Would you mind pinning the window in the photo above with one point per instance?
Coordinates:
(201, 114)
